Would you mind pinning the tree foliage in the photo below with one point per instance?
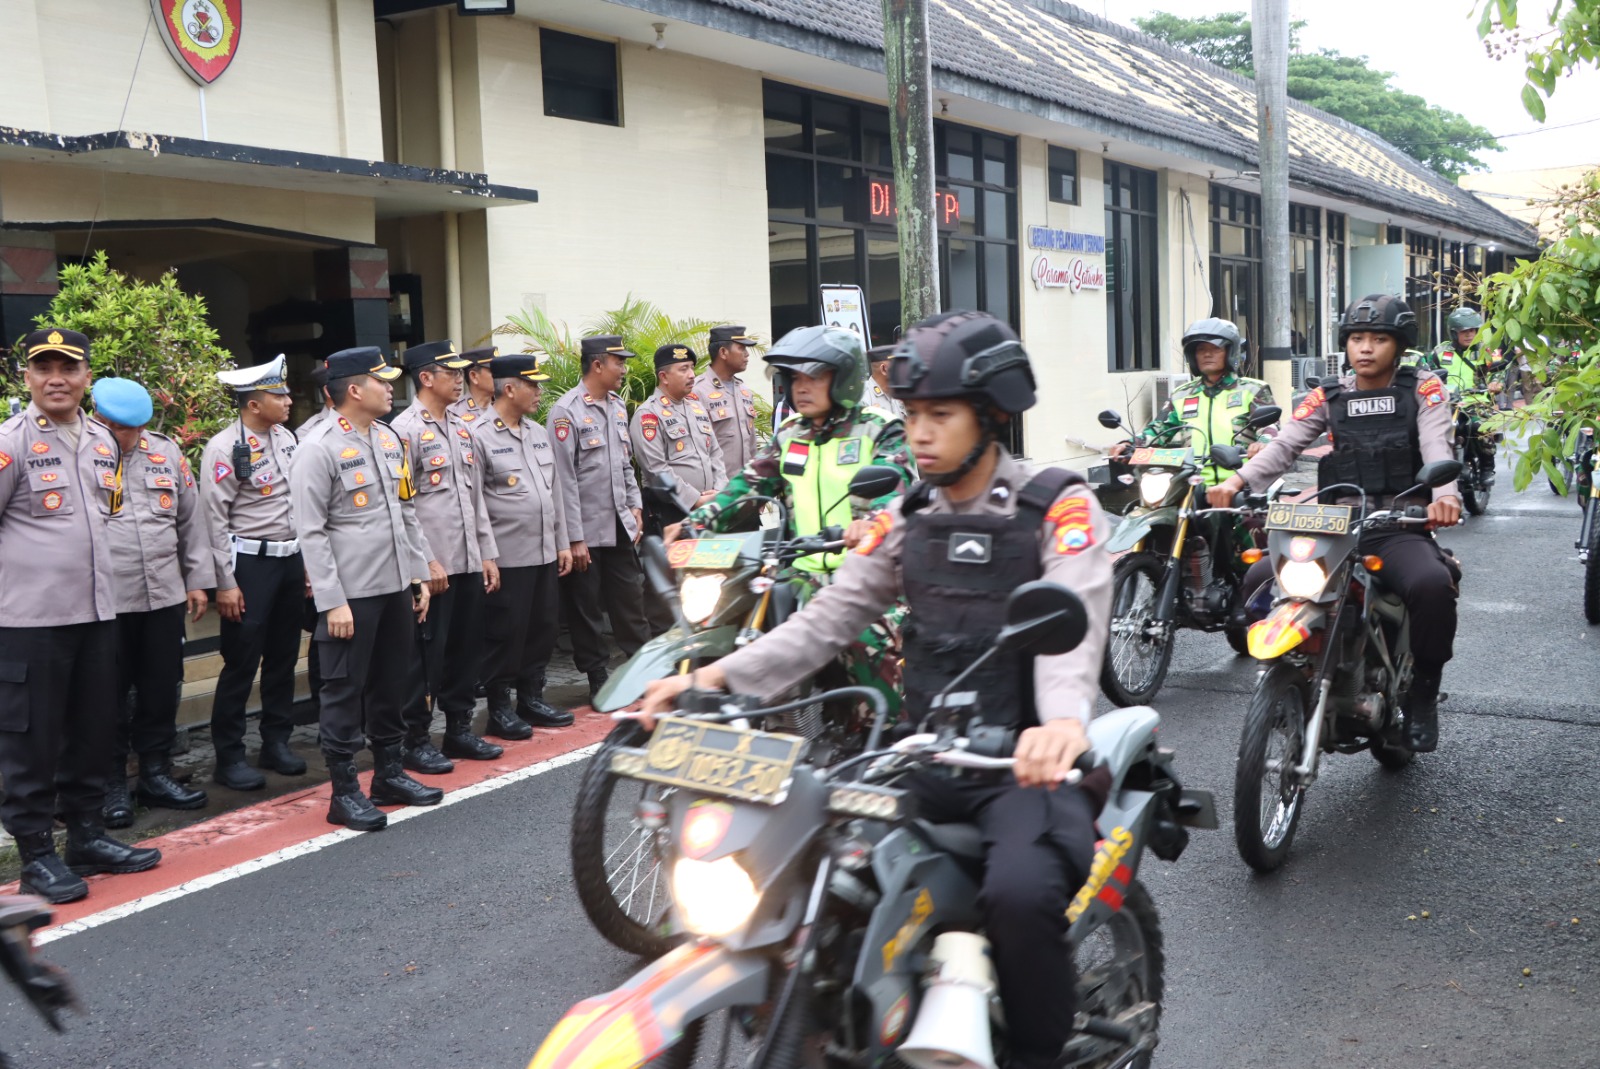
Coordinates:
(1549, 309)
(1571, 41)
(643, 327)
(155, 334)
(1340, 85)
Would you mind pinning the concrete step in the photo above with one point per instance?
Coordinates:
(200, 683)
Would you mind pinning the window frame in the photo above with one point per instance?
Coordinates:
(1051, 171)
(545, 52)
(1145, 352)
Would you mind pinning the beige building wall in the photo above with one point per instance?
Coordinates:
(1527, 195)
(304, 80)
(670, 207)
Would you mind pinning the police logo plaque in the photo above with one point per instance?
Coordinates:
(202, 35)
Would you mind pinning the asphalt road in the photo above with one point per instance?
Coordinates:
(454, 940)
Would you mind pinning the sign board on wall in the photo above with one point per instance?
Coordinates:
(846, 306)
(1071, 273)
(881, 209)
(202, 35)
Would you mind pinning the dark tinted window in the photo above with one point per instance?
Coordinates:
(580, 78)
(1063, 175)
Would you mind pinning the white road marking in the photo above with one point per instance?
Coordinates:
(312, 846)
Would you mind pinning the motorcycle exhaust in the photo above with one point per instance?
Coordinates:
(952, 1026)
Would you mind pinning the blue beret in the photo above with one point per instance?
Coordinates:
(122, 401)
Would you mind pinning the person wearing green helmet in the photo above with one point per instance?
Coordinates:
(1466, 369)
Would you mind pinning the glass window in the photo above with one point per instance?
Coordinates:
(997, 161)
(883, 284)
(997, 270)
(1063, 175)
(1132, 294)
(877, 147)
(580, 78)
(960, 155)
(997, 214)
(789, 186)
(836, 257)
(961, 275)
(839, 193)
(835, 128)
(793, 303)
(785, 119)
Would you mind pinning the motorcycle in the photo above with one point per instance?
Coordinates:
(731, 589)
(1586, 463)
(818, 912)
(1169, 576)
(1335, 660)
(45, 986)
(1472, 447)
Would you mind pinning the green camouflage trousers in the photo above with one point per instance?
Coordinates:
(873, 659)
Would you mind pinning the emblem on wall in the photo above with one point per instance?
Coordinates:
(202, 35)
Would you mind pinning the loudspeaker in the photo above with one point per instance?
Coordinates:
(952, 1026)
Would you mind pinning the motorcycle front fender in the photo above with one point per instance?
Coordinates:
(625, 1028)
(1133, 529)
(660, 658)
(1289, 624)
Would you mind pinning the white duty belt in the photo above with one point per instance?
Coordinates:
(254, 547)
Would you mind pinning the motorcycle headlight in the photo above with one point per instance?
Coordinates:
(1153, 487)
(1302, 578)
(700, 594)
(713, 898)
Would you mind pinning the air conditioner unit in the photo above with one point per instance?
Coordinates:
(1306, 367)
(1165, 384)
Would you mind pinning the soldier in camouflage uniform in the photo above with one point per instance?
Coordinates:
(821, 373)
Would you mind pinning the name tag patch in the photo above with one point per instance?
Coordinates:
(970, 548)
(1370, 406)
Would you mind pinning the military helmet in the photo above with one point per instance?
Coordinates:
(963, 354)
(1217, 332)
(813, 350)
(1463, 318)
(1382, 313)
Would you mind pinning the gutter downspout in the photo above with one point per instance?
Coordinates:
(447, 161)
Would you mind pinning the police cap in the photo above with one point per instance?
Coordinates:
(668, 355)
(518, 366)
(601, 344)
(56, 340)
(362, 360)
(271, 377)
(430, 353)
(727, 335)
(123, 402)
(481, 356)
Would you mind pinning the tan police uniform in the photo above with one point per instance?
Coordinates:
(732, 408)
(677, 436)
(874, 396)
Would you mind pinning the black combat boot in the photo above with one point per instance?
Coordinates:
(44, 873)
(238, 776)
(459, 741)
(157, 788)
(597, 679)
(118, 810)
(540, 715)
(349, 806)
(1422, 710)
(420, 755)
(503, 720)
(276, 755)
(90, 851)
(391, 785)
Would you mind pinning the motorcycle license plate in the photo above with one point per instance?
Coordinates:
(1310, 519)
(752, 766)
(1165, 458)
(705, 552)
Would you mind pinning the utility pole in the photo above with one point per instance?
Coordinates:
(905, 59)
(1269, 39)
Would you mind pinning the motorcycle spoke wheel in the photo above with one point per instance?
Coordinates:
(616, 864)
(1139, 650)
(1591, 575)
(1120, 965)
(1266, 802)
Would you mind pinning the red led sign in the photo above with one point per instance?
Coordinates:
(882, 210)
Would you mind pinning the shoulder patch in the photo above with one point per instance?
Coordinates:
(1310, 403)
(1431, 390)
(5, 461)
(649, 426)
(882, 524)
(220, 472)
(1072, 525)
(563, 427)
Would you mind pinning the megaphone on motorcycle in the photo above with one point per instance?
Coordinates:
(952, 1026)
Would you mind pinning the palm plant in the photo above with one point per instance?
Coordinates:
(644, 327)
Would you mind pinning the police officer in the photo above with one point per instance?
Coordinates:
(672, 431)
(727, 399)
(877, 394)
(1038, 834)
(58, 635)
(367, 560)
(163, 564)
(529, 513)
(1402, 423)
(478, 389)
(604, 516)
(1214, 407)
(461, 565)
(245, 488)
(319, 383)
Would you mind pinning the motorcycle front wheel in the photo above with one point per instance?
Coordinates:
(616, 867)
(1120, 965)
(1591, 575)
(1139, 651)
(1474, 488)
(1266, 804)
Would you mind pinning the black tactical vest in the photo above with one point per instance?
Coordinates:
(1375, 443)
(957, 572)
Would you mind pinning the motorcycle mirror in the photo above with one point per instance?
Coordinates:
(1265, 416)
(1043, 618)
(1227, 456)
(1312, 382)
(657, 570)
(1110, 419)
(874, 481)
(665, 493)
(1439, 473)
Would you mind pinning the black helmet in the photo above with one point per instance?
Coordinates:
(1382, 313)
(1217, 332)
(963, 354)
(813, 350)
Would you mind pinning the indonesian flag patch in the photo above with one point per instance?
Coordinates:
(795, 457)
(1191, 407)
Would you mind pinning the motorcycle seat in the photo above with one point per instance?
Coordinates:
(962, 841)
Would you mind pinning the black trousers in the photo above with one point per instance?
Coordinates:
(449, 644)
(266, 637)
(57, 714)
(1038, 846)
(150, 664)
(613, 584)
(365, 677)
(1417, 570)
(520, 629)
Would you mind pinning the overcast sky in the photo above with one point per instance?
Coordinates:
(1433, 49)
